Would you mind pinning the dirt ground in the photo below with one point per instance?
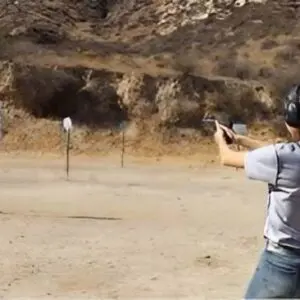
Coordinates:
(149, 230)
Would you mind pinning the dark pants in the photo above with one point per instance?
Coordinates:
(276, 276)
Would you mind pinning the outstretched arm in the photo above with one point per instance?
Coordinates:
(228, 157)
(259, 164)
(249, 143)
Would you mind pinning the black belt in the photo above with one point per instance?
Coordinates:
(281, 249)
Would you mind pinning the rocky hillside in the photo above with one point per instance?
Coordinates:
(153, 66)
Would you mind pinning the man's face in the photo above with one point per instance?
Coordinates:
(294, 132)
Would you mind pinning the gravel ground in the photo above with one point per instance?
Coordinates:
(148, 230)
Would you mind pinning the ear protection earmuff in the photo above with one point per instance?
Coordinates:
(292, 107)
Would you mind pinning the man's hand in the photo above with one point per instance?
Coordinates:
(238, 139)
(228, 157)
(220, 133)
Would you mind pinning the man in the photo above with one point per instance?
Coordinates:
(278, 272)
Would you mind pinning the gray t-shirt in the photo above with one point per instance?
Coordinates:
(279, 166)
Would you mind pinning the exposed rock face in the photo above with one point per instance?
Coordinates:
(178, 13)
(110, 98)
(161, 62)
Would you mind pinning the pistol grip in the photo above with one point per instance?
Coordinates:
(227, 138)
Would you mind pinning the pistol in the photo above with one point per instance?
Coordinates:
(237, 127)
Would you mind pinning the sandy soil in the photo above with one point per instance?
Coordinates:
(145, 231)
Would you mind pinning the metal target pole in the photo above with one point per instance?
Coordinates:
(67, 125)
(123, 144)
(68, 153)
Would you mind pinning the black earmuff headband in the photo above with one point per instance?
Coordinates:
(292, 107)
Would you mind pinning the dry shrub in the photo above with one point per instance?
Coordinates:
(240, 102)
(167, 101)
(269, 44)
(278, 79)
(7, 77)
(266, 72)
(175, 106)
(287, 55)
(294, 43)
(183, 102)
(137, 93)
(180, 100)
(280, 84)
(236, 68)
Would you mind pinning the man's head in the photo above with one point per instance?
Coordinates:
(292, 112)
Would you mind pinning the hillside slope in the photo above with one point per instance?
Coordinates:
(159, 65)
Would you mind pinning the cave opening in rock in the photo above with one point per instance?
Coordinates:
(56, 94)
(84, 108)
(98, 7)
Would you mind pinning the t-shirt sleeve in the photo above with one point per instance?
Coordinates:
(262, 164)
